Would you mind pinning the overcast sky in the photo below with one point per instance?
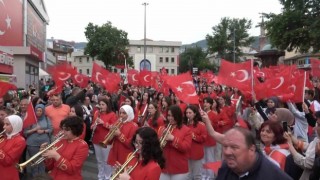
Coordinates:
(187, 21)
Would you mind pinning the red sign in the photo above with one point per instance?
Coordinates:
(6, 62)
(11, 21)
(36, 53)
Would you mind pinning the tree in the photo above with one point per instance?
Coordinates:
(230, 34)
(194, 57)
(297, 27)
(107, 43)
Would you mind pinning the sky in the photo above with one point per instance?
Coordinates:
(187, 21)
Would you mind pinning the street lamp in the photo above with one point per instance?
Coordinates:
(145, 34)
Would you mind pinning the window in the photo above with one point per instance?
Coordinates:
(172, 60)
(161, 59)
(74, 60)
(172, 71)
(167, 49)
(88, 71)
(167, 59)
(80, 71)
(80, 60)
(172, 49)
(88, 59)
(139, 49)
(161, 49)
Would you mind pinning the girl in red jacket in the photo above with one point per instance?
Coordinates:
(11, 147)
(177, 147)
(193, 120)
(148, 160)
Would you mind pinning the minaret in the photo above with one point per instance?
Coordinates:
(262, 36)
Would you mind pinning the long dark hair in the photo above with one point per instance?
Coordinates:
(277, 130)
(150, 146)
(197, 116)
(177, 115)
(156, 115)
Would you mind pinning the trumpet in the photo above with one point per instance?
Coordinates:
(165, 133)
(111, 133)
(94, 127)
(21, 166)
(124, 165)
(2, 134)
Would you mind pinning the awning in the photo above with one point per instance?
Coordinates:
(43, 73)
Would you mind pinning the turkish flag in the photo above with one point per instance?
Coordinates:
(11, 23)
(315, 67)
(297, 88)
(183, 87)
(57, 89)
(209, 76)
(62, 72)
(133, 77)
(99, 74)
(81, 80)
(235, 74)
(5, 87)
(145, 78)
(112, 80)
(30, 117)
(163, 71)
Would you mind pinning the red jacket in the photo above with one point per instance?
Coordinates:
(213, 116)
(73, 154)
(160, 122)
(102, 130)
(10, 153)
(176, 151)
(225, 121)
(199, 136)
(122, 144)
(150, 171)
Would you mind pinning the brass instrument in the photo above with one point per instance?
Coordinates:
(124, 166)
(2, 134)
(94, 127)
(21, 166)
(165, 133)
(111, 133)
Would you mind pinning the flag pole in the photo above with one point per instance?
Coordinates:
(304, 85)
(252, 75)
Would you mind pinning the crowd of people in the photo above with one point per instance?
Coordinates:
(139, 133)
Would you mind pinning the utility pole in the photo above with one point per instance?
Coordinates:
(145, 34)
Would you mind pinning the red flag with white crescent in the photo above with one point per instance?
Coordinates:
(30, 117)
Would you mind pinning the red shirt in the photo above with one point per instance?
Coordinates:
(225, 122)
(10, 153)
(121, 146)
(176, 151)
(101, 130)
(199, 136)
(73, 154)
(213, 116)
(160, 122)
(150, 171)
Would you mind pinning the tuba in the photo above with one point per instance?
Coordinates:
(124, 166)
(111, 133)
(165, 133)
(38, 156)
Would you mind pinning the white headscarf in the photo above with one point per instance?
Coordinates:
(16, 123)
(128, 109)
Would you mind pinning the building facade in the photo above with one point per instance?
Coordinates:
(159, 54)
(23, 33)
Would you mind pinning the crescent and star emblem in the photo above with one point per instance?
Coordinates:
(145, 78)
(98, 74)
(246, 75)
(179, 88)
(133, 77)
(66, 77)
(76, 78)
(280, 84)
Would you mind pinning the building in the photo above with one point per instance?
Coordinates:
(83, 62)
(158, 54)
(23, 35)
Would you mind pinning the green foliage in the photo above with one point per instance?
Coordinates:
(107, 43)
(193, 57)
(225, 34)
(297, 27)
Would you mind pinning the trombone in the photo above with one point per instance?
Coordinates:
(165, 133)
(21, 166)
(111, 133)
(124, 166)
